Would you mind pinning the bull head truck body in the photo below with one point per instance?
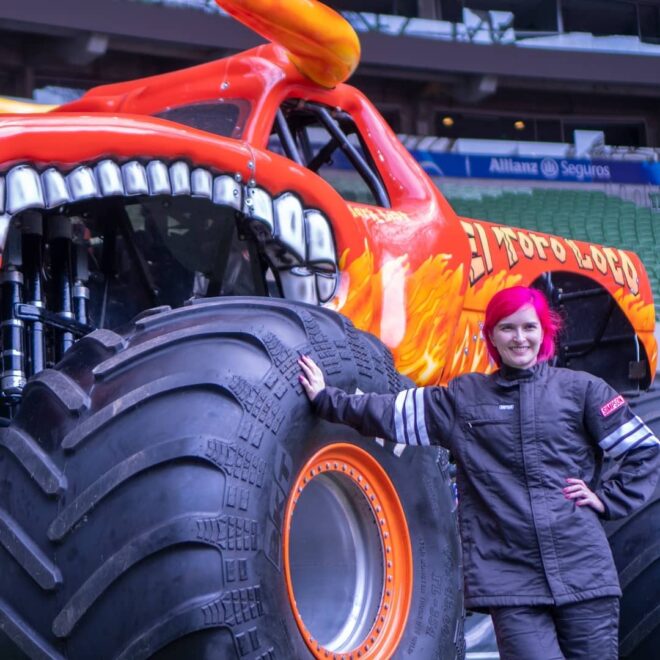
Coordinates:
(266, 191)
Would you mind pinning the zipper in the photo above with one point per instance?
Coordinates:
(482, 422)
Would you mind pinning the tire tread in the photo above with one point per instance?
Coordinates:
(34, 460)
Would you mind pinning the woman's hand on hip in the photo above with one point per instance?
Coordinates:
(580, 493)
(311, 378)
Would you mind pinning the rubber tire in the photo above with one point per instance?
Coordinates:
(635, 543)
(143, 484)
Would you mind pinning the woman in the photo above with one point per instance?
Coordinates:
(528, 442)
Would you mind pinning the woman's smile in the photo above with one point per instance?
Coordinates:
(518, 338)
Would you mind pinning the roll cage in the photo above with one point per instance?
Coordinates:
(338, 139)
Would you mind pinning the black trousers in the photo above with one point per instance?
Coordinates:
(588, 630)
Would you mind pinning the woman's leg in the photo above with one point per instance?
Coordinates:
(589, 630)
(526, 633)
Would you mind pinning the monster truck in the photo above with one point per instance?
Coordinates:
(169, 247)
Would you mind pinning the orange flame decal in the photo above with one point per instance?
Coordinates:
(432, 327)
(320, 43)
(407, 310)
(642, 317)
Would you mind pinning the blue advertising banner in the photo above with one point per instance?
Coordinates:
(539, 169)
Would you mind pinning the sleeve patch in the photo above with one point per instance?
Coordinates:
(612, 405)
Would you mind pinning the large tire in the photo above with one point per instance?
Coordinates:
(635, 543)
(145, 483)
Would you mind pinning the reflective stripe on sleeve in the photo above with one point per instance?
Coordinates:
(628, 436)
(399, 427)
(421, 418)
(618, 433)
(409, 418)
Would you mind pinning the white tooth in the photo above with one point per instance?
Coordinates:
(135, 178)
(201, 183)
(23, 190)
(290, 224)
(55, 189)
(4, 229)
(180, 178)
(258, 205)
(82, 184)
(227, 191)
(159, 180)
(325, 286)
(109, 178)
(298, 287)
(320, 247)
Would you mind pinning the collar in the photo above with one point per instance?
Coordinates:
(510, 376)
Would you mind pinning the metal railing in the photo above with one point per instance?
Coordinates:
(477, 27)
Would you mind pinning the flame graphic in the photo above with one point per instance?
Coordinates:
(360, 291)
(407, 309)
(433, 328)
(321, 43)
(642, 317)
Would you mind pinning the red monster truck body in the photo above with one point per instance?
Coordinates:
(243, 177)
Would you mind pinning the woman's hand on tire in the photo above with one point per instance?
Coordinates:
(580, 493)
(311, 378)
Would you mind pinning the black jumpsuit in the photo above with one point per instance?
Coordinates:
(516, 436)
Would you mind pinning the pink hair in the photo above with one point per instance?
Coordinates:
(509, 301)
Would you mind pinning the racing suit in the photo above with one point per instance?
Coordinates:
(516, 436)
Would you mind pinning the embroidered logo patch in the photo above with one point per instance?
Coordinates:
(506, 406)
(612, 405)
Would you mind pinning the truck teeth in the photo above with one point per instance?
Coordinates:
(82, 184)
(108, 176)
(320, 245)
(180, 178)
(298, 286)
(290, 225)
(201, 183)
(135, 178)
(325, 286)
(227, 192)
(158, 178)
(23, 190)
(55, 189)
(299, 242)
(258, 206)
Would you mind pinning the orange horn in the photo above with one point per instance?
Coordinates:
(321, 43)
(14, 107)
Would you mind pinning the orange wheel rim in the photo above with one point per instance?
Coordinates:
(338, 481)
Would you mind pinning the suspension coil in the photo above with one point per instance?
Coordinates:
(32, 228)
(60, 242)
(12, 379)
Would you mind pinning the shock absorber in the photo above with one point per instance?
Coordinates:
(80, 290)
(32, 225)
(59, 238)
(12, 379)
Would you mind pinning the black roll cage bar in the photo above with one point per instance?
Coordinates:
(338, 140)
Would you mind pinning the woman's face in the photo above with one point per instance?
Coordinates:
(518, 338)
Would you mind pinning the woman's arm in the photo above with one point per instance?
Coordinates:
(418, 416)
(624, 437)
